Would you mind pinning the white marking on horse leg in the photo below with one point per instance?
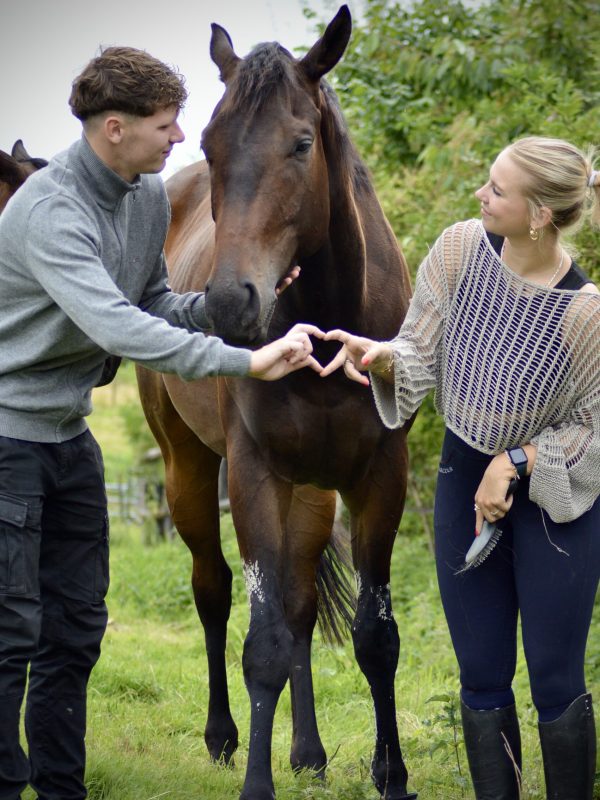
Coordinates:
(382, 593)
(358, 580)
(253, 579)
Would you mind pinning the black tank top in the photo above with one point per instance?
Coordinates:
(574, 279)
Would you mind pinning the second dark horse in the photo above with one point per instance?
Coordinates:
(282, 185)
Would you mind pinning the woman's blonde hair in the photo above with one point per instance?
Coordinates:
(559, 175)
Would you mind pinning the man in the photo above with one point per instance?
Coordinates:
(82, 275)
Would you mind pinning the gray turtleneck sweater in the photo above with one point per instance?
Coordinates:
(82, 275)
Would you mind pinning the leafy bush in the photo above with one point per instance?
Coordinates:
(433, 92)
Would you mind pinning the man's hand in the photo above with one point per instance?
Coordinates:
(285, 355)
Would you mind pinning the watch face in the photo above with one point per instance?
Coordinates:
(518, 456)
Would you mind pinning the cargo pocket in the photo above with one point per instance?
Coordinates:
(13, 518)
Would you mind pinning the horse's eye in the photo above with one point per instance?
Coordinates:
(303, 146)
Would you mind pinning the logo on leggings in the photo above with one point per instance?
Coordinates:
(445, 470)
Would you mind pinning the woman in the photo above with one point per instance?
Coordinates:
(506, 327)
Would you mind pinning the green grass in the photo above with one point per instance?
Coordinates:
(149, 692)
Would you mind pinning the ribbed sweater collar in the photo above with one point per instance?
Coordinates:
(108, 187)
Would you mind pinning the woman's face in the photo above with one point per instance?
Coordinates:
(504, 207)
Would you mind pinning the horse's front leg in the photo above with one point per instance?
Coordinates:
(376, 508)
(308, 531)
(256, 502)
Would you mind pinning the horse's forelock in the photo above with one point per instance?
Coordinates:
(267, 68)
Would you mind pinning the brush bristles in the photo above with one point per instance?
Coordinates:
(481, 556)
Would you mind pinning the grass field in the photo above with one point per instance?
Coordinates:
(148, 694)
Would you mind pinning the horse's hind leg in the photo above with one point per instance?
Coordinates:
(376, 508)
(308, 530)
(192, 471)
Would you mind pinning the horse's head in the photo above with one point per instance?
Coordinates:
(269, 178)
(15, 169)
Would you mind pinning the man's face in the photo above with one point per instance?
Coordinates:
(147, 141)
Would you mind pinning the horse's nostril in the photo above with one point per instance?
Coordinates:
(253, 304)
(206, 288)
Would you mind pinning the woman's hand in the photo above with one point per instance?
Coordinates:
(491, 502)
(359, 355)
(287, 280)
(285, 355)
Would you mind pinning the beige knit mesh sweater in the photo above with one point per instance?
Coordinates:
(511, 363)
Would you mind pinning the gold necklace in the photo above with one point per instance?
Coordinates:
(556, 271)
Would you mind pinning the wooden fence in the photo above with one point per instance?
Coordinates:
(140, 499)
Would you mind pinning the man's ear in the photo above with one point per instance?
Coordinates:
(113, 127)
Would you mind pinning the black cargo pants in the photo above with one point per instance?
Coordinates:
(53, 581)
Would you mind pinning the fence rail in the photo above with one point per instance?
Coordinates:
(140, 500)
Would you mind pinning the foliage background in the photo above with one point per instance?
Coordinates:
(433, 91)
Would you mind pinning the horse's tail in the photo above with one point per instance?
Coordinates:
(336, 594)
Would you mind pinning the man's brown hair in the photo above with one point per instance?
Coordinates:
(129, 80)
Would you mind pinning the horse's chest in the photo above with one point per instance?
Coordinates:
(325, 439)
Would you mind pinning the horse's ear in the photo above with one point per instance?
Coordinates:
(10, 171)
(325, 54)
(18, 151)
(222, 52)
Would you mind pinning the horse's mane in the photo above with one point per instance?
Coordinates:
(268, 68)
(357, 171)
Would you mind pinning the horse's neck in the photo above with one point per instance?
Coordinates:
(332, 286)
(338, 284)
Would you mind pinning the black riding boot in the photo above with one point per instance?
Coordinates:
(493, 744)
(569, 752)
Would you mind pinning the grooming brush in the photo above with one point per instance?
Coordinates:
(486, 541)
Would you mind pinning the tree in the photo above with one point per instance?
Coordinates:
(433, 92)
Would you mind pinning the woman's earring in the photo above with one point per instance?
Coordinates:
(534, 234)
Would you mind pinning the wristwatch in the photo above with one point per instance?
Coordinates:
(519, 460)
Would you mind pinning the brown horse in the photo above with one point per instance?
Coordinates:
(15, 169)
(283, 185)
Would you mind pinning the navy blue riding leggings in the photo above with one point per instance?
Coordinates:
(527, 575)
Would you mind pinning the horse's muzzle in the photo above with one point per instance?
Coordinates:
(236, 314)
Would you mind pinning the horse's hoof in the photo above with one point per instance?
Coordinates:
(410, 796)
(257, 794)
(312, 761)
(221, 754)
(316, 773)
